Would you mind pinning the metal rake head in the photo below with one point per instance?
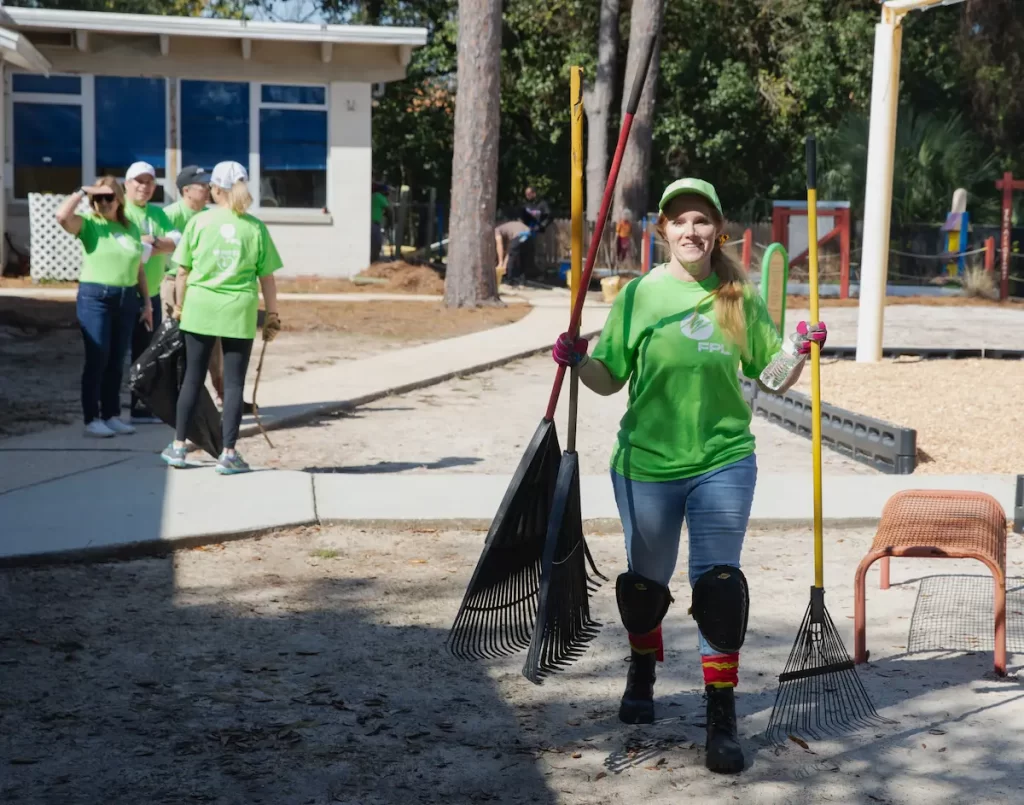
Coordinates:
(497, 615)
(819, 691)
(564, 625)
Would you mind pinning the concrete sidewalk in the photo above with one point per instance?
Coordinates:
(133, 504)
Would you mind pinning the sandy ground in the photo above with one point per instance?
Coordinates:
(481, 423)
(967, 414)
(41, 351)
(310, 668)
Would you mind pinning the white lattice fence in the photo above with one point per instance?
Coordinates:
(55, 255)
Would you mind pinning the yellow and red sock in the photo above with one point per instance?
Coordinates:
(649, 643)
(721, 670)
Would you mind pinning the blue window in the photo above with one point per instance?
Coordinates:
(279, 93)
(214, 122)
(293, 158)
(55, 85)
(47, 148)
(131, 125)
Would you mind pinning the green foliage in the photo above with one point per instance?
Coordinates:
(934, 156)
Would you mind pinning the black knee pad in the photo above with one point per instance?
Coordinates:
(721, 603)
(642, 602)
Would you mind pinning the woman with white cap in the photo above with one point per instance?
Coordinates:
(225, 257)
(112, 297)
(679, 335)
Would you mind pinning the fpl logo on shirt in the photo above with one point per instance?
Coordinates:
(699, 327)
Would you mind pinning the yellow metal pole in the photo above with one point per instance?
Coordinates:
(576, 229)
(812, 268)
(576, 180)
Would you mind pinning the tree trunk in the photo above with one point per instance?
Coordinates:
(470, 279)
(597, 103)
(632, 188)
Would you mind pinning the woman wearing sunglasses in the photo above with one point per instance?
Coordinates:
(112, 296)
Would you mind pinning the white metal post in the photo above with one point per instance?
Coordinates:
(874, 266)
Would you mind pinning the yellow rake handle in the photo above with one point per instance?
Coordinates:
(812, 274)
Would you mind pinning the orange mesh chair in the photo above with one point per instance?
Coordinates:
(938, 524)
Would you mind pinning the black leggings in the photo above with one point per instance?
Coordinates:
(198, 349)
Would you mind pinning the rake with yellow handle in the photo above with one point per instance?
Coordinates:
(819, 690)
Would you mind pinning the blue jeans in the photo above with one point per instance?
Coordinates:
(106, 316)
(715, 506)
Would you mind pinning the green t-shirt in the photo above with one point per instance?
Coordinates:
(225, 255)
(179, 214)
(110, 253)
(378, 203)
(151, 220)
(686, 413)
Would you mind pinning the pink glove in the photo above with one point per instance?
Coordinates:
(568, 352)
(806, 333)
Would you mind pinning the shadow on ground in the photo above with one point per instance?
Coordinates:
(383, 467)
(309, 667)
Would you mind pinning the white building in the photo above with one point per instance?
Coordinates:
(86, 94)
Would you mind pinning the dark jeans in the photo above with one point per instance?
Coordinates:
(106, 316)
(376, 241)
(514, 265)
(141, 338)
(197, 360)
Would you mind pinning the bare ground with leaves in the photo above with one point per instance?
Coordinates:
(309, 667)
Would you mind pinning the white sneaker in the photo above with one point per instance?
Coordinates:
(97, 429)
(120, 428)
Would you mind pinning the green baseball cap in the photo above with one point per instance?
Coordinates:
(693, 186)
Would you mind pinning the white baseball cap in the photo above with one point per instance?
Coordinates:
(226, 174)
(137, 169)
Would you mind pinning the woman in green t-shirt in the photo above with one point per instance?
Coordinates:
(679, 336)
(224, 258)
(112, 296)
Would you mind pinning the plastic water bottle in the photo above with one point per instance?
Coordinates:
(782, 365)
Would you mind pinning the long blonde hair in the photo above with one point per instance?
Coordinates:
(238, 198)
(730, 295)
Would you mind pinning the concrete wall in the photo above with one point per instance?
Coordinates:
(311, 242)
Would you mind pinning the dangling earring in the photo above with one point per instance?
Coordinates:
(723, 239)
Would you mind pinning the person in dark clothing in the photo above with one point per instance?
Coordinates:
(536, 214)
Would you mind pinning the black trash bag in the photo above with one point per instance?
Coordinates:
(156, 379)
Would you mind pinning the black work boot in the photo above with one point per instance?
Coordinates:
(637, 705)
(724, 754)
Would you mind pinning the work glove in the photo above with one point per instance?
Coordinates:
(568, 351)
(806, 333)
(271, 326)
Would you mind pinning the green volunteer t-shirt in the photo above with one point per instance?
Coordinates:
(110, 253)
(179, 214)
(151, 220)
(378, 203)
(686, 413)
(225, 255)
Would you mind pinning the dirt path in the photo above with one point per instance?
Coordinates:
(310, 668)
(481, 423)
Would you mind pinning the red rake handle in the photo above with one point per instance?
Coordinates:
(602, 216)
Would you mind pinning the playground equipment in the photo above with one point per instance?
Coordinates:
(1007, 184)
(885, 91)
(789, 228)
(933, 524)
(956, 228)
(774, 279)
